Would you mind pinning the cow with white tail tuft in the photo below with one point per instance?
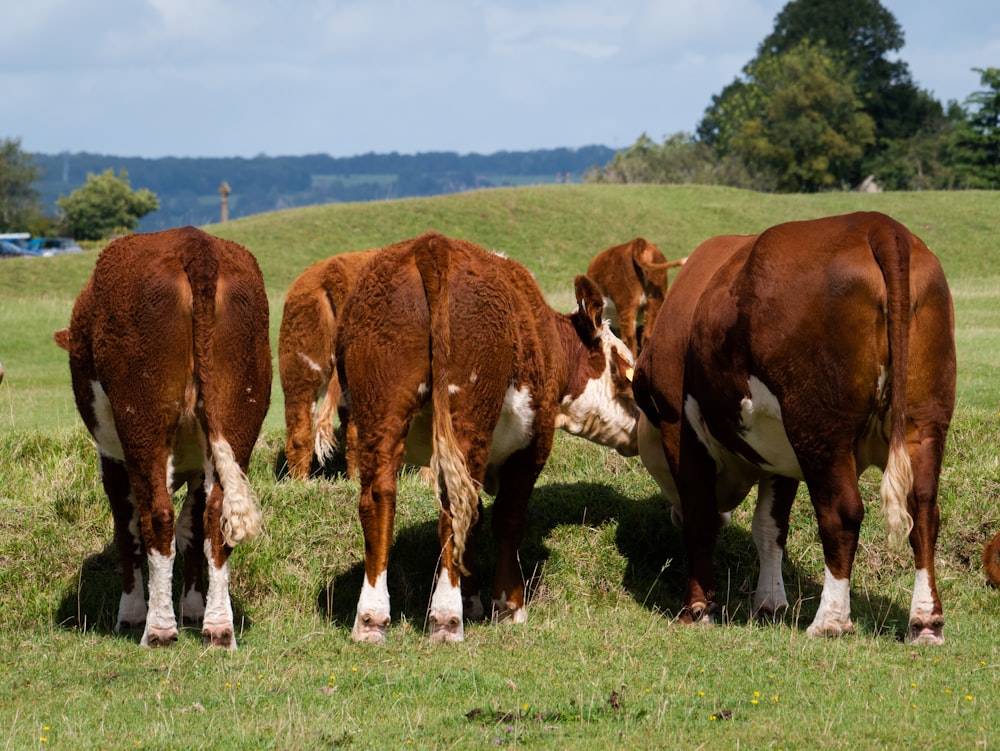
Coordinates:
(171, 369)
(804, 354)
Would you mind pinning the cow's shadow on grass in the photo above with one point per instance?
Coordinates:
(655, 572)
(90, 604)
(414, 555)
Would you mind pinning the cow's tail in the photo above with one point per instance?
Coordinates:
(240, 513)
(891, 247)
(664, 265)
(325, 437)
(448, 465)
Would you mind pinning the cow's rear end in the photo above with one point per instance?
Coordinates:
(171, 370)
(806, 353)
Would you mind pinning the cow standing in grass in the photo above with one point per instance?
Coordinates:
(804, 354)
(633, 277)
(171, 370)
(450, 357)
(306, 357)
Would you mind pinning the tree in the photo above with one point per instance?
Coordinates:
(926, 159)
(810, 132)
(20, 204)
(860, 35)
(105, 205)
(863, 34)
(978, 143)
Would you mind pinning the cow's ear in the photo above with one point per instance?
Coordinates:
(590, 302)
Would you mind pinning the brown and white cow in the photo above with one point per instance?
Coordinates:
(806, 353)
(450, 357)
(633, 278)
(306, 360)
(171, 369)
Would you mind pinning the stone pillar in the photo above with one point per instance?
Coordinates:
(224, 191)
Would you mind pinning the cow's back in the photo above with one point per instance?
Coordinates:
(385, 329)
(807, 353)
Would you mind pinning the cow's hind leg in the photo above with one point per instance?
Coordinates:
(926, 622)
(156, 514)
(131, 552)
(456, 595)
(770, 531)
(839, 512)
(517, 480)
(302, 382)
(217, 629)
(701, 522)
(380, 455)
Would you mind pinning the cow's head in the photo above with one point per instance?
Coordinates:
(598, 404)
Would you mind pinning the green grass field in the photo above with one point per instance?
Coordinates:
(601, 662)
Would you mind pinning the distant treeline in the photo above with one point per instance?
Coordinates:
(188, 188)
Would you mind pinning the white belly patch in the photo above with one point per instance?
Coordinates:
(764, 431)
(512, 432)
(108, 442)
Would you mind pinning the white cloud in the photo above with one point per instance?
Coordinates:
(223, 77)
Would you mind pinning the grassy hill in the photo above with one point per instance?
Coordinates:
(600, 662)
(553, 230)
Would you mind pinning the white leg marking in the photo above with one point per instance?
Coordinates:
(922, 604)
(446, 611)
(372, 619)
(922, 611)
(770, 595)
(501, 606)
(161, 626)
(132, 607)
(218, 620)
(834, 615)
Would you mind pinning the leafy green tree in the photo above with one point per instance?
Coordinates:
(978, 143)
(105, 205)
(863, 34)
(20, 203)
(925, 160)
(810, 132)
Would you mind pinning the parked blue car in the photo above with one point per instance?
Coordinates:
(50, 246)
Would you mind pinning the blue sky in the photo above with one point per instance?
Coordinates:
(221, 78)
